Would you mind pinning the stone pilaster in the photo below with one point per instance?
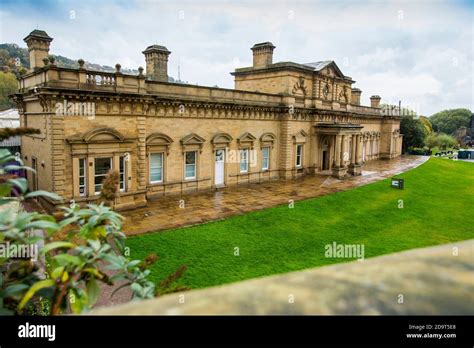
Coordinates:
(339, 171)
(58, 158)
(141, 153)
(353, 148)
(355, 167)
(285, 147)
(386, 138)
(337, 148)
(360, 143)
(343, 146)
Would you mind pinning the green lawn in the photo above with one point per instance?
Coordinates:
(438, 208)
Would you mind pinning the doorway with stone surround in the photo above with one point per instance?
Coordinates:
(342, 142)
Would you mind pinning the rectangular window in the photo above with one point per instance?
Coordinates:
(190, 165)
(122, 173)
(101, 167)
(244, 160)
(299, 155)
(82, 177)
(156, 167)
(265, 158)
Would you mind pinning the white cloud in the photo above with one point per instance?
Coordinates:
(420, 51)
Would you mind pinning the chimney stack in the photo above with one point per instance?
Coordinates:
(375, 101)
(355, 96)
(38, 47)
(156, 58)
(262, 54)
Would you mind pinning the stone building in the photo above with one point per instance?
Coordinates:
(281, 121)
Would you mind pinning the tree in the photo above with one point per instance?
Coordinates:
(448, 121)
(446, 141)
(443, 141)
(413, 132)
(8, 85)
(432, 141)
(427, 124)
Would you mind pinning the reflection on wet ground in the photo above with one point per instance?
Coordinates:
(165, 213)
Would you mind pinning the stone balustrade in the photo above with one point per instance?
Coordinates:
(57, 77)
(54, 76)
(366, 110)
(101, 79)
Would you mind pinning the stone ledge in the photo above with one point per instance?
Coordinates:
(432, 281)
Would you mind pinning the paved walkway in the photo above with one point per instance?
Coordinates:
(165, 213)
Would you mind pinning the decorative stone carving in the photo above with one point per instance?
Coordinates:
(343, 95)
(45, 102)
(300, 137)
(103, 135)
(246, 140)
(267, 139)
(221, 140)
(20, 104)
(192, 141)
(299, 87)
(159, 139)
(326, 90)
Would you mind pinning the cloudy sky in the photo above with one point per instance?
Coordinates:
(420, 52)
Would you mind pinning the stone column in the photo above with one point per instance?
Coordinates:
(353, 149)
(140, 183)
(286, 147)
(339, 171)
(337, 155)
(378, 147)
(343, 139)
(355, 167)
(360, 143)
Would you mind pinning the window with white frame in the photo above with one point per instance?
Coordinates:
(82, 177)
(190, 165)
(101, 167)
(299, 155)
(265, 158)
(122, 173)
(156, 167)
(244, 160)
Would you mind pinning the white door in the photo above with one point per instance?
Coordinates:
(219, 168)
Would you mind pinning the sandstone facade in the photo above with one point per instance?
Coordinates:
(282, 120)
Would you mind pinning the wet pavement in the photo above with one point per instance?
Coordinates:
(179, 211)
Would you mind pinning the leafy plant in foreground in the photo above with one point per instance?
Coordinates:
(81, 249)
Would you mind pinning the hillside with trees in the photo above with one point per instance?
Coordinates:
(14, 62)
(8, 85)
(13, 58)
(448, 121)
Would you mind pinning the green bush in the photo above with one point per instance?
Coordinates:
(78, 246)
